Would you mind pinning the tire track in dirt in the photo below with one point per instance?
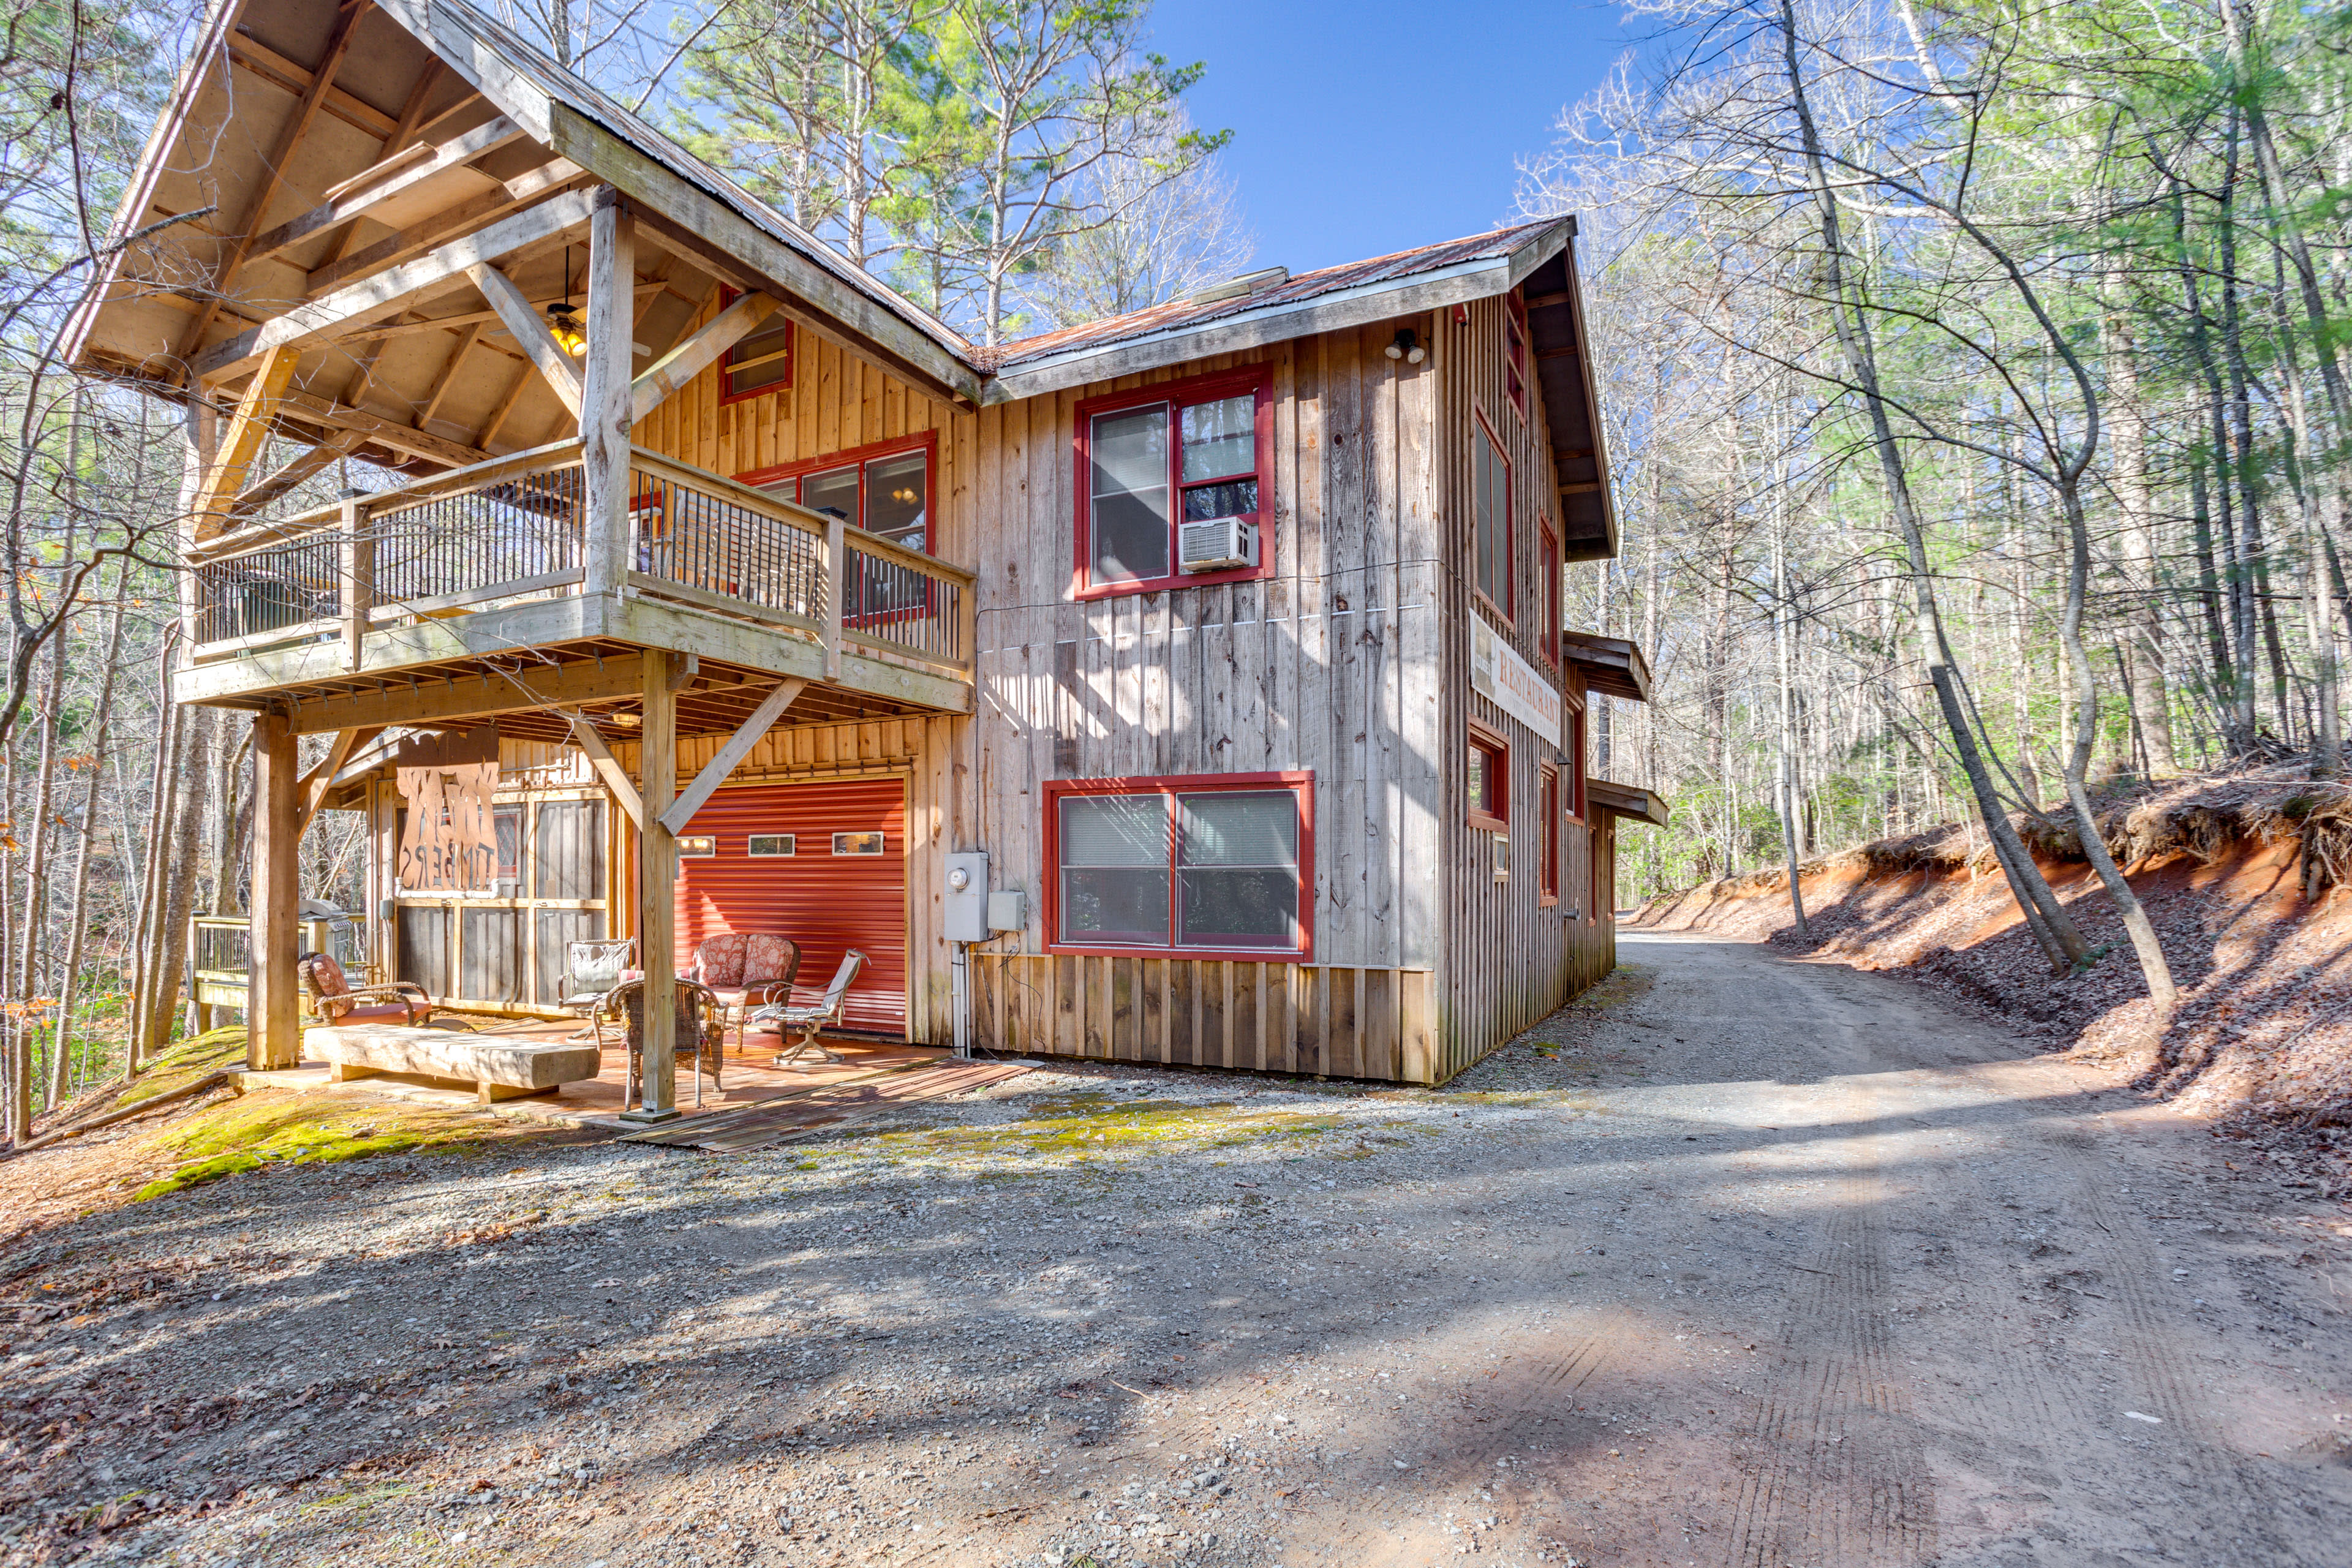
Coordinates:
(1833, 1470)
(1533, 1400)
(2164, 1386)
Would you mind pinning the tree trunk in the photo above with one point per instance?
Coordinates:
(2154, 968)
(2144, 644)
(24, 985)
(78, 901)
(2063, 944)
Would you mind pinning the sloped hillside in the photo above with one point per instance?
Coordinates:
(2243, 873)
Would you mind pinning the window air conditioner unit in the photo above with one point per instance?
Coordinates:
(1216, 546)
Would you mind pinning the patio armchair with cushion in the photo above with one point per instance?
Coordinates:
(746, 970)
(591, 971)
(813, 1019)
(342, 1005)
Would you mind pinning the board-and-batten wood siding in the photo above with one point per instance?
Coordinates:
(1423, 963)
(1509, 961)
(1306, 668)
(839, 403)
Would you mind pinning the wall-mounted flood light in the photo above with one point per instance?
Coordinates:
(1407, 347)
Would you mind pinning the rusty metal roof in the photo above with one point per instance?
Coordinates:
(1180, 314)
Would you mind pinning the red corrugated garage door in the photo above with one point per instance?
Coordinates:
(813, 881)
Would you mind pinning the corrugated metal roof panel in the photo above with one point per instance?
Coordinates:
(1178, 314)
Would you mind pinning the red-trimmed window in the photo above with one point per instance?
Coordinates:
(1549, 825)
(1515, 350)
(1489, 781)
(1549, 597)
(1206, 866)
(761, 361)
(1490, 519)
(888, 488)
(1576, 763)
(1175, 473)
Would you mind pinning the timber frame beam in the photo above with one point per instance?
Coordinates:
(739, 746)
(312, 787)
(254, 496)
(289, 137)
(701, 349)
(615, 777)
(242, 445)
(388, 292)
(530, 333)
(381, 182)
(450, 699)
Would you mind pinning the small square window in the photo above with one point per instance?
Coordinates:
(772, 845)
(697, 847)
(762, 361)
(1488, 781)
(858, 844)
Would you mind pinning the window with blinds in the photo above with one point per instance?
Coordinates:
(1187, 866)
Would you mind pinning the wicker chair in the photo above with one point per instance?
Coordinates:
(701, 1035)
(591, 971)
(339, 1001)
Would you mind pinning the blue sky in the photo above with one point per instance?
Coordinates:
(1364, 128)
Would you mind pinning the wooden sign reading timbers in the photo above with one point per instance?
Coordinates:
(1499, 674)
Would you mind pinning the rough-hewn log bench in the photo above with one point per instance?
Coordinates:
(498, 1067)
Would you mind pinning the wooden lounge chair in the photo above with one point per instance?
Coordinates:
(746, 970)
(811, 1021)
(339, 1001)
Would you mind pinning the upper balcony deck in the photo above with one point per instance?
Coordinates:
(466, 596)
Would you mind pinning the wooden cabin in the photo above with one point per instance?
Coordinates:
(718, 587)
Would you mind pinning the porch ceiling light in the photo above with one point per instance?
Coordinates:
(564, 326)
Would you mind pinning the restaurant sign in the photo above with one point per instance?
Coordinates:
(1499, 674)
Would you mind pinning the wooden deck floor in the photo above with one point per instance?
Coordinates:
(747, 1076)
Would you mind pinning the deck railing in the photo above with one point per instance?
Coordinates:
(516, 529)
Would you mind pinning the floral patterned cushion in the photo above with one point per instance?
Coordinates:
(769, 960)
(718, 961)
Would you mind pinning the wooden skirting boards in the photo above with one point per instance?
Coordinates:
(1265, 1017)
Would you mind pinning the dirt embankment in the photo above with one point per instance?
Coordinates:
(2246, 875)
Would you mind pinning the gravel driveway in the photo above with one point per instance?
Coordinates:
(1742, 1260)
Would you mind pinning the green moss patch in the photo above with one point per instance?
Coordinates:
(270, 1129)
(1077, 1125)
(186, 1061)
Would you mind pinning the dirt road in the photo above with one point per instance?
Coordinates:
(1744, 1261)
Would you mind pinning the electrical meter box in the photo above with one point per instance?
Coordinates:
(963, 907)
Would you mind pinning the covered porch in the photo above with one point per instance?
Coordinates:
(463, 604)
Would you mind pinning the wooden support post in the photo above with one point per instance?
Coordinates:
(358, 573)
(836, 578)
(656, 880)
(604, 401)
(273, 1037)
